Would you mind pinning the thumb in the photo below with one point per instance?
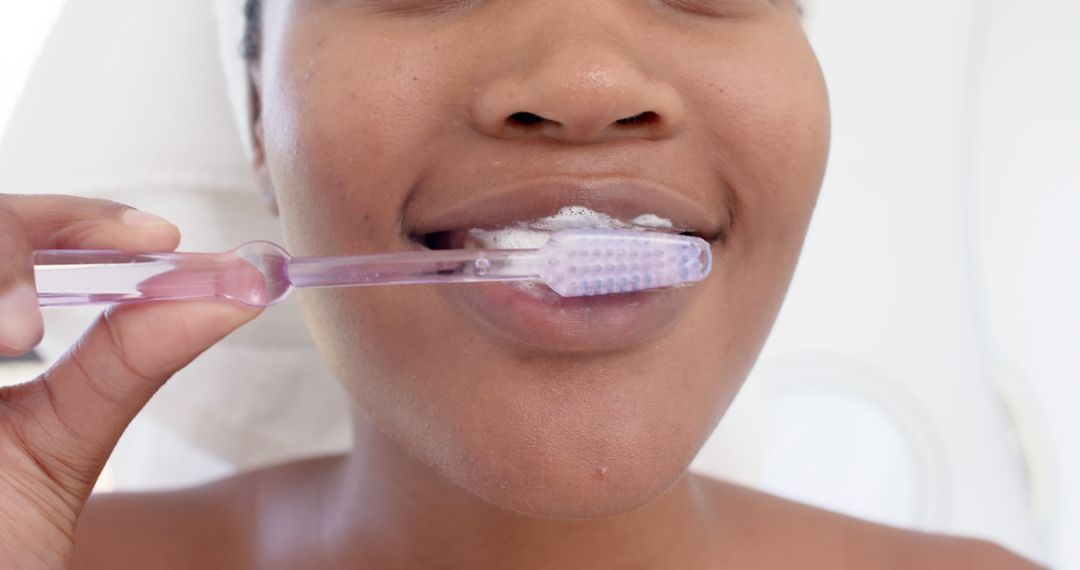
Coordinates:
(80, 407)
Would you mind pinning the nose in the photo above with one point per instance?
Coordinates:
(580, 89)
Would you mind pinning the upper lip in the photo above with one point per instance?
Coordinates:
(620, 197)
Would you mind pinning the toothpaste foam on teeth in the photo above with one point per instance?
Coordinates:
(534, 234)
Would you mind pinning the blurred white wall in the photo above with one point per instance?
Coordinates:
(876, 375)
(1024, 190)
(924, 370)
(23, 27)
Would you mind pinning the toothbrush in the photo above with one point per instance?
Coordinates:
(573, 263)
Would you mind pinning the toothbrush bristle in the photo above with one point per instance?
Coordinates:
(587, 262)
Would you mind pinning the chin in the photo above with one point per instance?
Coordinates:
(568, 497)
(572, 479)
(550, 436)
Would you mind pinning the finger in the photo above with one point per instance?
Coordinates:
(90, 396)
(50, 222)
(209, 276)
(21, 327)
(68, 222)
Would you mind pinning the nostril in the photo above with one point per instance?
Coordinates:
(640, 119)
(525, 119)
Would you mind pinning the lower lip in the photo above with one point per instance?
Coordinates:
(540, 319)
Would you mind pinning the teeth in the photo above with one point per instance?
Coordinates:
(510, 238)
(534, 234)
(652, 221)
(472, 243)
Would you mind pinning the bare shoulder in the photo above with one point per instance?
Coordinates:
(972, 553)
(189, 528)
(787, 534)
(210, 527)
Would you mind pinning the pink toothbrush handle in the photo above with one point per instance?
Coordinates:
(79, 277)
(574, 263)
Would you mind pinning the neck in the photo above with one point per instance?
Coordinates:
(385, 507)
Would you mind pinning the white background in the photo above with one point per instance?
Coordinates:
(923, 370)
(23, 26)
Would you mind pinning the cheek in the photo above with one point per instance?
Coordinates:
(345, 126)
(767, 126)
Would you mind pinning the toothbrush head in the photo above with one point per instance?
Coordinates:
(587, 262)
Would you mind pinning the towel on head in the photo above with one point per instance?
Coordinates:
(230, 27)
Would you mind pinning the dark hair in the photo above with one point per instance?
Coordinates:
(251, 46)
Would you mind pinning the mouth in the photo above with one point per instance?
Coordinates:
(523, 236)
(531, 314)
(539, 208)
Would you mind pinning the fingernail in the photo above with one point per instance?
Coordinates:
(139, 219)
(20, 319)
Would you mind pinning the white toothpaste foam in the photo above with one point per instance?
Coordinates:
(534, 234)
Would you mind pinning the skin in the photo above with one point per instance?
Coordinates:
(472, 451)
(732, 137)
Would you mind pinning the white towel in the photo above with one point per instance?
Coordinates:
(230, 26)
(128, 102)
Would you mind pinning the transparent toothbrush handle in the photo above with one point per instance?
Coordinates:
(251, 274)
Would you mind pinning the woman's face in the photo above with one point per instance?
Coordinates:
(389, 123)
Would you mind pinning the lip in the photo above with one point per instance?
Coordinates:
(549, 323)
(538, 319)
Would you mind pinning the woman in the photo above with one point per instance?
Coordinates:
(494, 427)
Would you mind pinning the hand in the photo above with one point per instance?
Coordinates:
(57, 431)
